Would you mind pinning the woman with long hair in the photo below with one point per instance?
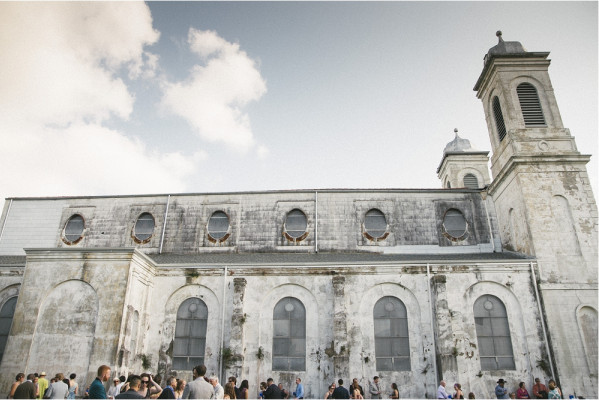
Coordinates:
(230, 391)
(18, 380)
(395, 393)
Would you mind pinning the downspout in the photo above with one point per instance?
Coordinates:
(168, 200)
(534, 280)
(430, 302)
(316, 221)
(489, 223)
(222, 327)
(5, 218)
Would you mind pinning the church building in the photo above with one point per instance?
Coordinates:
(488, 276)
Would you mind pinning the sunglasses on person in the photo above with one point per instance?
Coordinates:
(144, 382)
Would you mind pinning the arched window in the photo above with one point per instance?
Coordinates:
(501, 132)
(73, 230)
(470, 181)
(493, 333)
(530, 105)
(218, 226)
(289, 335)
(375, 224)
(391, 339)
(144, 227)
(296, 224)
(6, 314)
(587, 323)
(454, 224)
(190, 334)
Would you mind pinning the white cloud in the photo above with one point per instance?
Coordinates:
(213, 96)
(60, 83)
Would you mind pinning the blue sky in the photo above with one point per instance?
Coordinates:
(128, 98)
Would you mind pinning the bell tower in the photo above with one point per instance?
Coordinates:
(544, 203)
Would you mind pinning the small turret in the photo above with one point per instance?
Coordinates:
(463, 165)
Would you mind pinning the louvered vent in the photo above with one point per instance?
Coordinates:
(498, 118)
(470, 181)
(530, 105)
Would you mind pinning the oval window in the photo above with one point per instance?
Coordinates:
(375, 223)
(296, 223)
(73, 230)
(144, 227)
(218, 225)
(454, 223)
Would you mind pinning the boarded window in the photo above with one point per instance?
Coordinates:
(375, 223)
(218, 225)
(499, 124)
(6, 314)
(190, 334)
(289, 336)
(296, 223)
(530, 105)
(73, 230)
(454, 223)
(144, 227)
(470, 181)
(391, 339)
(493, 334)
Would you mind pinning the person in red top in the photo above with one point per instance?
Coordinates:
(522, 393)
(539, 391)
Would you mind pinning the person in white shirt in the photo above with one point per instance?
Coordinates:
(441, 393)
(219, 392)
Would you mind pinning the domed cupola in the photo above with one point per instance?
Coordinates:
(504, 48)
(463, 166)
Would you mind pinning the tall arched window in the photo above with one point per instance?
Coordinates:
(501, 132)
(493, 333)
(530, 105)
(391, 339)
(289, 335)
(134, 326)
(190, 334)
(470, 181)
(6, 314)
(587, 323)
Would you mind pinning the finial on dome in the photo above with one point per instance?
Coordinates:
(456, 132)
(498, 34)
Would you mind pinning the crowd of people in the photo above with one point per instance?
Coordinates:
(148, 386)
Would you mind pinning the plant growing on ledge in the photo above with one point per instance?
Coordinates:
(146, 361)
(260, 353)
(227, 356)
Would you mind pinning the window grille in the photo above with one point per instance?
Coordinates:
(391, 338)
(501, 132)
(530, 105)
(296, 223)
(190, 334)
(493, 334)
(144, 227)
(289, 336)
(73, 230)
(218, 225)
(454, 223)
(470, 181)
(375, 223)
(6, 315)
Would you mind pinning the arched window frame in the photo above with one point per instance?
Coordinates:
(493, 334)
(6, 321)
(471, 181)
(191, 328)
(289, 335)
(589, 339)
(391, 335)
(498, 118)
(530, 105)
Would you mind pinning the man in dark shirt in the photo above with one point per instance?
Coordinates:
(25, 390)
(272, 391)
(340, 392)
(134, 384)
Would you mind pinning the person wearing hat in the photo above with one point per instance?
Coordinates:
(42, 385)
(500, 390)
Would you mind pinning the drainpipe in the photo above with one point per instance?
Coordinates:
(222, 326)
(316, 221)
(168, 200)
(534, 281)
(5, 218)
(430, 301)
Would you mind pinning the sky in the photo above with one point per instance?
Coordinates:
(100, 98)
